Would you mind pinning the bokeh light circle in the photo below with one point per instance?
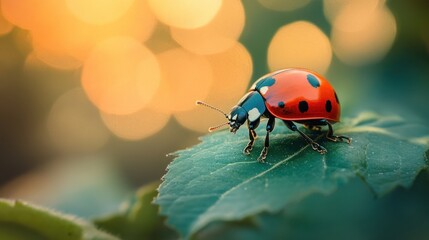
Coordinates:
(218, 35)
(358, 41)
(185, 78)
(283, 5)
(332, 8)
(121, 76)
(74, 125)
(21, 13)
(5, 26)
(300, 44)
(54, 27)
(185, 13)
(98, 12)
(54, 58)
(232, 71)
(141, 124)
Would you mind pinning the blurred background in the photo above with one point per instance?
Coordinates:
(95, 94)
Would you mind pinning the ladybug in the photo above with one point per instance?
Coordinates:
(291, 95)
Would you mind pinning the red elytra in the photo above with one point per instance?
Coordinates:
(299, 94)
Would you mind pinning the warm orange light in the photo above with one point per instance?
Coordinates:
(217, 36)
(54, 58)
(138, 22)
(21, 13)
(53, 26)
(232, 72)
(144, 123)
(283, 5)
(98, 12)
(185, 13)
(185, 78)
(300, 44)
(74, 124)
(332, 8)
(5, 26)
(121, 76)
(358, 40)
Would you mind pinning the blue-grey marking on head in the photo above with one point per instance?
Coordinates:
(281, 104)
(266, 82)
(313, 80)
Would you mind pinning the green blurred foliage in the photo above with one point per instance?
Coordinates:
(20, 220)
(138, 219)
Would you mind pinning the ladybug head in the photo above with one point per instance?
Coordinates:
(236, 118)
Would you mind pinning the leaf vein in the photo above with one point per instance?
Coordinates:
(247, 181)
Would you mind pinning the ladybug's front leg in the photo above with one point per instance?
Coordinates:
(270, 127)
(252, 135)
(330, 135)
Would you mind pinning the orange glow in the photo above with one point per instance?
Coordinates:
(300, 44)
(232, 72)
(349, 18)
(185, 78)
(55, 58)
(138, 125)
(98, 11)
(74, 124)
(332, 8)
(217, 36)
(283, 5)
(5, 26)
(185, 13)
(21, 13)
(69, 35)
(358, 40)
(121, 76)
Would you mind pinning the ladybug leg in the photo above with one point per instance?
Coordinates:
(252, 136)
(316, 147)
(330, 135)
(270, 127)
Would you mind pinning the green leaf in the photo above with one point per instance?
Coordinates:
(138, 219)
(214, 181)
(401, 214)
(19, 220)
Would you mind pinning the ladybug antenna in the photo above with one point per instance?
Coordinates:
(211, 129)
(209, 106)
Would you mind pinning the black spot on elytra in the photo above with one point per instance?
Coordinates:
(303, 106)
(328, 106)
(281, 104)
(336, 98)
(313, 81)
(266, 82)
